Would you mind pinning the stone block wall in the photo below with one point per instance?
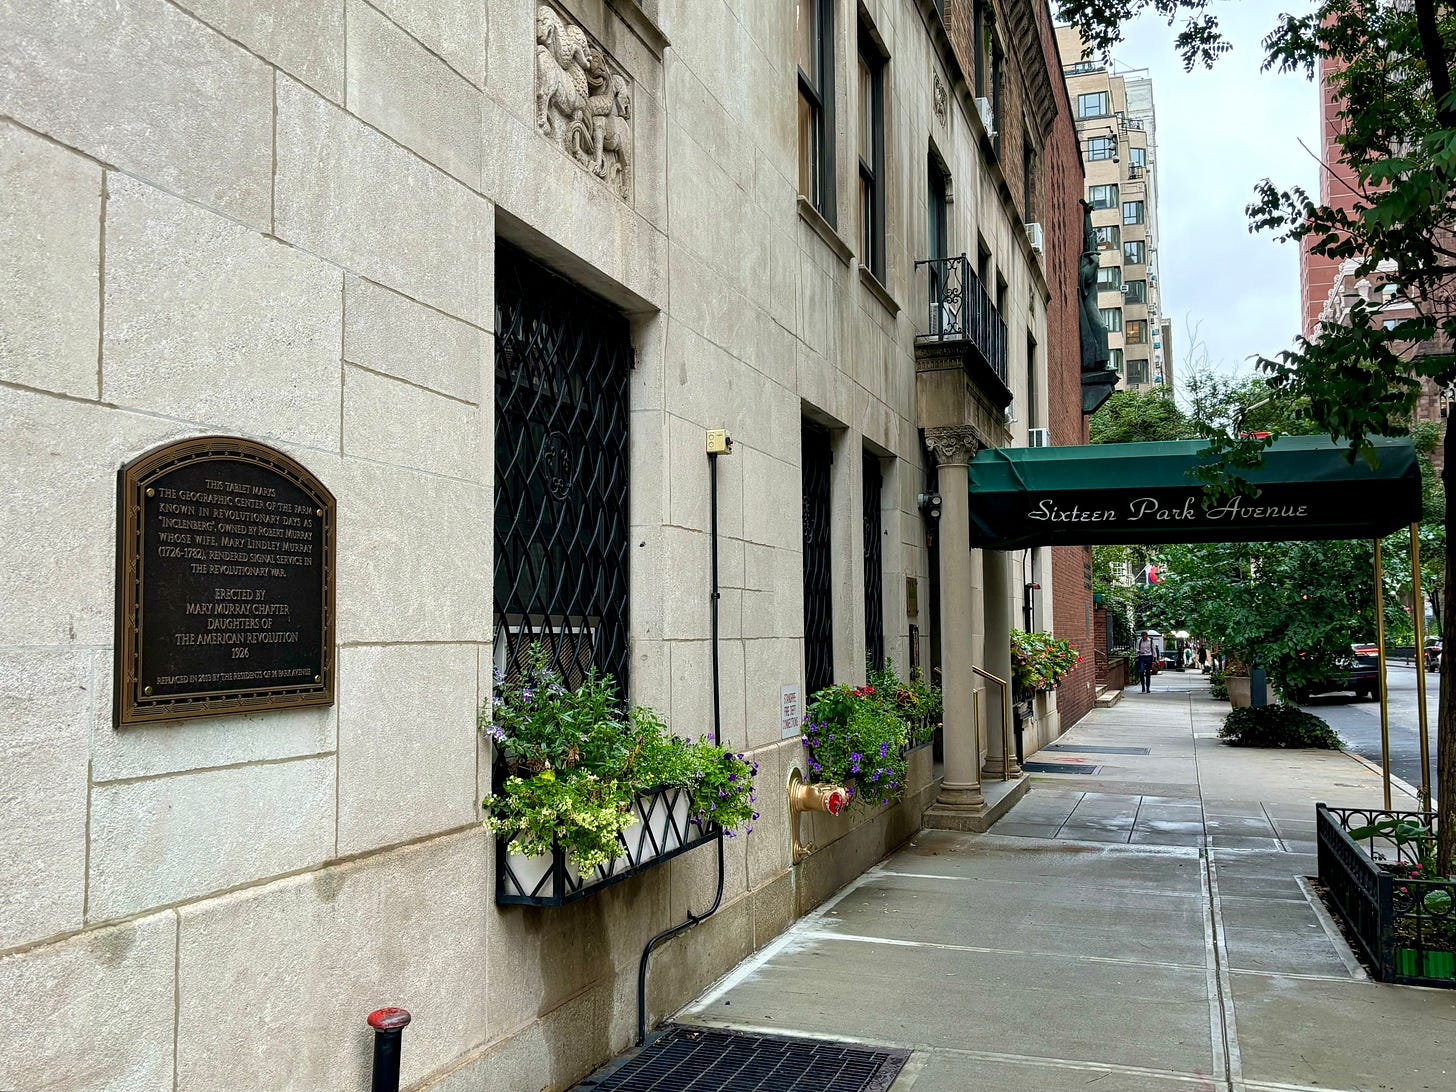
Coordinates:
(278, 221)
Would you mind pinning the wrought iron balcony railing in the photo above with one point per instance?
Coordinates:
(960, 310)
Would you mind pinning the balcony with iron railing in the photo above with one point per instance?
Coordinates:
(963, 322)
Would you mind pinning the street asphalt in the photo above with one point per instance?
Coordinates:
(1144, 924)
(1358, 722)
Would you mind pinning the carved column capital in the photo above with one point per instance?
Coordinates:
(953, 445)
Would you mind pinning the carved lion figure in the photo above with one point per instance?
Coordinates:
(611, 114)
(563, 56)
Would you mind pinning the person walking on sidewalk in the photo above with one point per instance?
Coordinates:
(1144, 663)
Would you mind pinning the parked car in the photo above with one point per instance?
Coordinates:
(1357, 672)
(1433, 653)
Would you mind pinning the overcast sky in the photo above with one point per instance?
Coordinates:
(1219, 133)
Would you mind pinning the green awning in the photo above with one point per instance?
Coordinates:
(1116, 494)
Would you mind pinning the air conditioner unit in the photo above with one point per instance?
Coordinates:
(1038, 437)
(988, 115)
(1034, 233)
(1124, 290)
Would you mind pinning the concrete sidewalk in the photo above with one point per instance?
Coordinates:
(1140, 925)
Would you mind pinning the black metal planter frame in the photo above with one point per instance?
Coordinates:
(1391, 931)
(663, 831)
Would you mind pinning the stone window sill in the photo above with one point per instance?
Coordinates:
(878, 290)
(825, 230)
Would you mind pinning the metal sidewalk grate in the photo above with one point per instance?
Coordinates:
(1059, 767)
(684, 1059)
(1074, 749)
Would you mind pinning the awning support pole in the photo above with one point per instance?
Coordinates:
(1380, 648)
(1418, 610)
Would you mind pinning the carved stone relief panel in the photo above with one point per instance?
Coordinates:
(938, 98)
(583, 100)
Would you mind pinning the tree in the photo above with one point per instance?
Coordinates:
(1390, 66)
(1130, 417)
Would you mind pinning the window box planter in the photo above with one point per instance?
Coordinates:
(662, 831)
(1402, 939)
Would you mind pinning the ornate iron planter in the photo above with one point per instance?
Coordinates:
(662, 831)
(1406, 928)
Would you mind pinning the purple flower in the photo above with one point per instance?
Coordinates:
(722, 793)
(749, 830)
(884, 749)
(755, 815)
(855, 756)
(733, 777)
(497, 733)
(528, 694)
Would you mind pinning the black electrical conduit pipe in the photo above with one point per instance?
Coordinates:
(693, 919)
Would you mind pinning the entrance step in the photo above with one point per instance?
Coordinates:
(1106, 698)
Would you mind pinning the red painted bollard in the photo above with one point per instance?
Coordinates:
(388, 1025)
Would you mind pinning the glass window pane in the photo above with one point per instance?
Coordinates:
(1132, 212)
(809, 39)
(1136, 291)
(1111, 318)
(807, 153)
(866, 111)
(1107, 236)
(1109, 276)
(1138, 157)
(1135, 252)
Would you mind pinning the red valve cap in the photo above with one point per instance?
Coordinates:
(835, 803)
(388, 1019)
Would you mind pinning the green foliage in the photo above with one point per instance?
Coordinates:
(1277, 726)
(575, 763)
(1293, 607)
(1217, 687)
(1139, 416)
(856, 740)
(1039, 660)
(915, 700)
(1390, 67)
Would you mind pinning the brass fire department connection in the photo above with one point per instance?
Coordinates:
(831, 799)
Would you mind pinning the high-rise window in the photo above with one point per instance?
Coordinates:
(1111, 318)
(872, 157)
(1137, 372)
(1101, 147)
(1137, 332)
(1094, 104)
(1109, 278)
(1107, 236)
(816, 104)
(1137, 157)
(1103, 197)
(1132, 212)
(1135, 252)
(1115, 359)
(1135, 292)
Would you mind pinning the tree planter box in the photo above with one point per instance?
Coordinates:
(1401, 940)
(1239, 691)
(662, 831)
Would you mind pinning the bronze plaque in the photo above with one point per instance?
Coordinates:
(225, 583)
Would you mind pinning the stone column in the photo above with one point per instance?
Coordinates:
(999, 761)
(960, 806)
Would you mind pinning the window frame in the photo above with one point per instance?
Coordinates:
(1109, 278)
(1110, 143)
(1137, 157)
(1138, 327)
(872, 63)
(1103, 97)
(820, 100)
(1139, 256)
(1140, 211)
(1140, 296)
(1111, 312)
(1111, 189)
(1113, 241)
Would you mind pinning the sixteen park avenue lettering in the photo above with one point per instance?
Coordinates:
(1155, 510)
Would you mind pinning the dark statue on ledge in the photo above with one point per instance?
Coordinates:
(1098, 379)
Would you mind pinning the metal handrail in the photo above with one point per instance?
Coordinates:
(1005, 718)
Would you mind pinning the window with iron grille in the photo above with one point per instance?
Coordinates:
(562, 363)
(874, 587)
(818, 589)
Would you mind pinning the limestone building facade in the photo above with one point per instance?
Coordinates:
(343, 228)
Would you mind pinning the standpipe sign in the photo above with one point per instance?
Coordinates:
(225, 583)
